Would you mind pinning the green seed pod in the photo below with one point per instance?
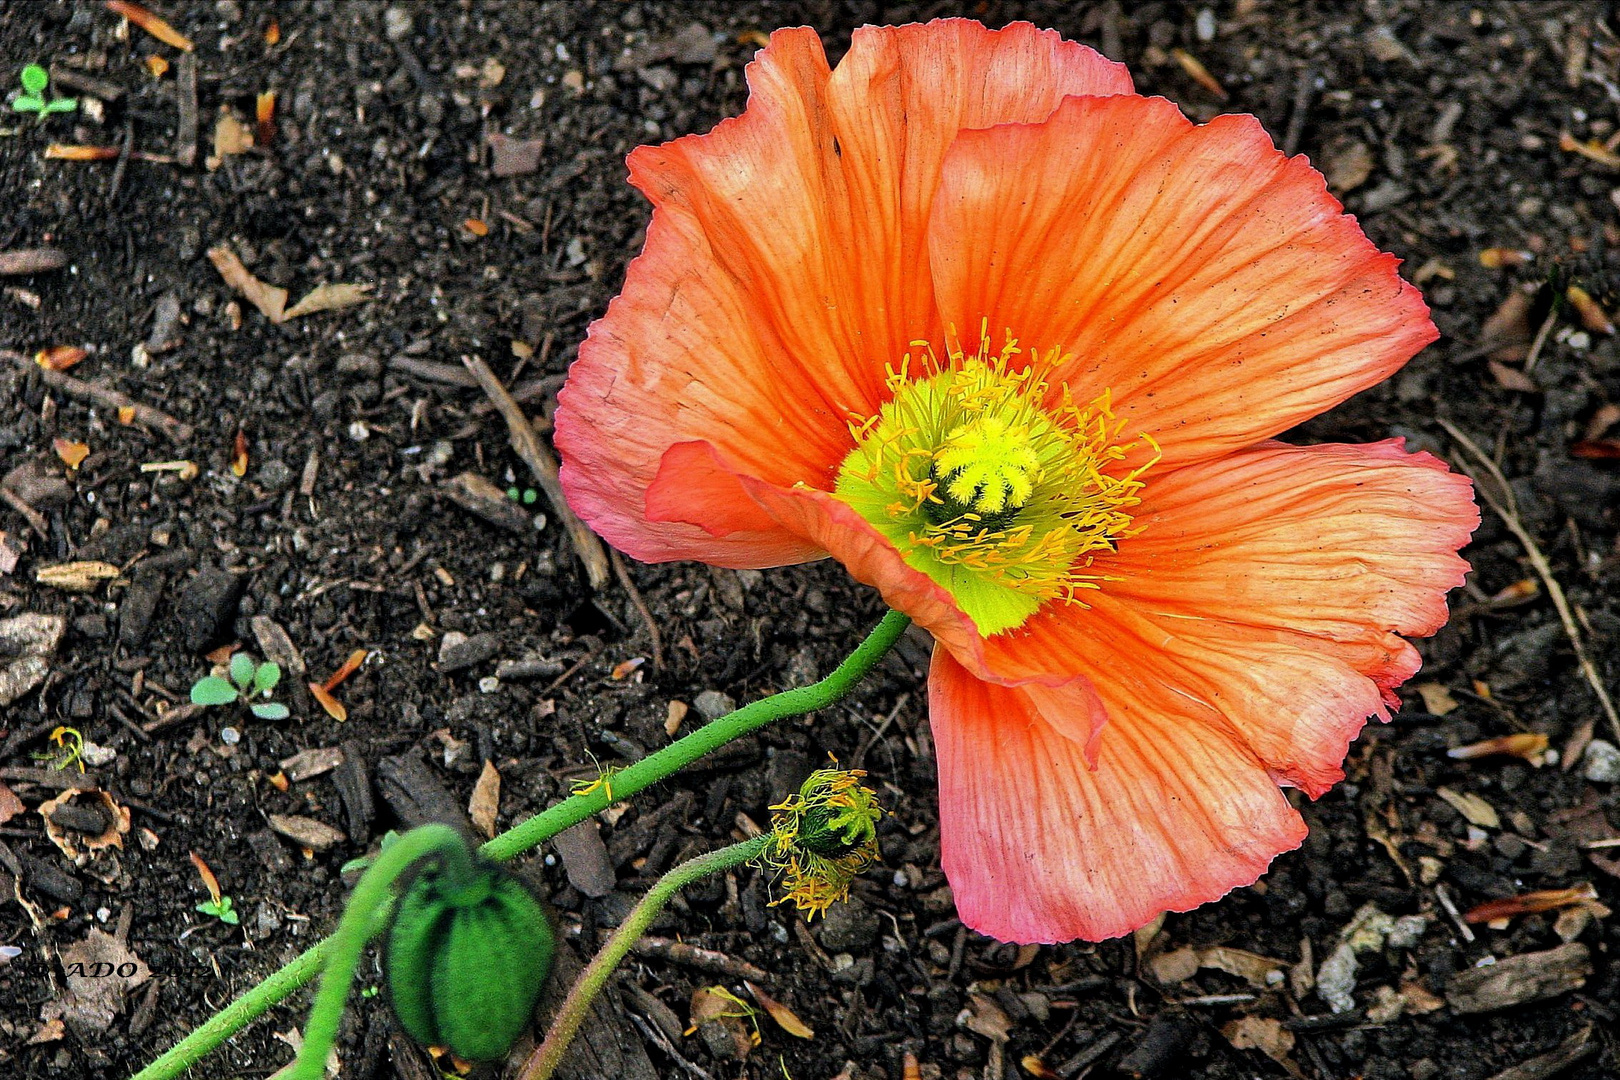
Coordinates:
(466, 959)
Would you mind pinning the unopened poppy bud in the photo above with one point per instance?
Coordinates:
(466, 956)
(822, 837)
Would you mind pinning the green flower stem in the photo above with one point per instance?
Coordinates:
(545, 1060)
(711, 736)
(543, 826)
(371, 896)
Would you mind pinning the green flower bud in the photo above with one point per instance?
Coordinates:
(466, 959)
(822, 837)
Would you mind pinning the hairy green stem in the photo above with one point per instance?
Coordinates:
(371, 894)
(545, 1060)
(543, 826)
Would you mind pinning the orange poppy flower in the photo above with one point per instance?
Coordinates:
(1010, 342)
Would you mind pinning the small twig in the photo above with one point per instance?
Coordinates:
(36, 520)
(651, 1033)
(623, 574)
(1442, 894)
(1541, 340)
(112, 399)
(544, 467)
(123, 163)
(715, 963)
(31, 261)
(185, 91)
(1506, 507)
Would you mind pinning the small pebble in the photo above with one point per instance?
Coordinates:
(229, 736)
(488, 684)
(1601, 765)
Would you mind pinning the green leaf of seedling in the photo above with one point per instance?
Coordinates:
(213, 690)
(275, 710)
(66, 104)
(224, 911)
(242, 669)
(28, 104)
(266, 677)
(35, 79)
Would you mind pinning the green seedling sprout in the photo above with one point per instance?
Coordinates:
(69, 751)
(248, 680)
(221, 909)
(32, 99)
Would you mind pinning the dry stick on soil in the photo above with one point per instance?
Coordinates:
(101, 395)
(544, 466)
(1506, 507)
(1541, 339)
(31, 261)
(623, 574)
(715, 963)
(36, 520)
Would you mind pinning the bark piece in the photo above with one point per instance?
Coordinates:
(1519, 979)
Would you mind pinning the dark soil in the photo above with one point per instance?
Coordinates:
(1440, 121)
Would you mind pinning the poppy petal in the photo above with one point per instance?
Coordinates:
(1268, 591)
(1207, 282)
(823, 523)
(784, 269)
(1040, 847)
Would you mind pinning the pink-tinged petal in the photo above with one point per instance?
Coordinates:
(785, 270)
(1040, 847)
(1211, 284)
(1267, 591)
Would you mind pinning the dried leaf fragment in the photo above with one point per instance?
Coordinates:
(1530, 903)
(1591, 313)
(350, 666)
(151, 23)
(1592, 150)
(1198, 72)
(64, 152)
(10, 805)
(185, 470)
(231, 137)
(475, 226)
(67, 841)
(264, 117)
(485, 803)
(60, 357)
(334, 708)
(329, 298)
(72, 453)
(271, 300)
(239, 454)
(1437, 700)
(1529, 745)
(1498, 258)
(1265, 1035)
(1473, 808)
(76, 576)
(204, 871)
(783, 1015)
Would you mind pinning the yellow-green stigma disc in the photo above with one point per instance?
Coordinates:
(981, 484)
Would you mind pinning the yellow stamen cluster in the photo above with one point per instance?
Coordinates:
(822, 837)
(991, 481)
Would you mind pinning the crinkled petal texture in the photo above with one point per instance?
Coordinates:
(784, 269)
(1210, 284)
(1039, 847)
(1243, 639)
